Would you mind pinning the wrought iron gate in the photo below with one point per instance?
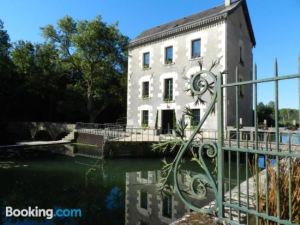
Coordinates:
(264, 196)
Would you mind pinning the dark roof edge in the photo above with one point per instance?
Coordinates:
(196, 24)
(178, 30)
(248, 19)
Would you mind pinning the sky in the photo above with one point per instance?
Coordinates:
(276, 25)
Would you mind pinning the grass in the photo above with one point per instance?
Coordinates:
(286, 213)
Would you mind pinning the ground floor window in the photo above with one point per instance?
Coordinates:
(167, 206)
(145, 118)
(144, 200)
(195, 119)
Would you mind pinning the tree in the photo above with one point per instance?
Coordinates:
(7, 83)
(42, 80)
(4, 48)
(23, 57)
(288, 116)
(95, 55)
(266, 112)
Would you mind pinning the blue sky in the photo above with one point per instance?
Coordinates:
(276, 26)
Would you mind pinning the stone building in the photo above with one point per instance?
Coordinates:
(162, 60)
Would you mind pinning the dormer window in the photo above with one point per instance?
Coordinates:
(146, 60)
(169, 55)
(196, 48)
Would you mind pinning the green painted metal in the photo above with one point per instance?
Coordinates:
(299, 91)
(220, 192)
(277, 137)
(256, 140)
(236, 208)
(199, 85)
(237, 125)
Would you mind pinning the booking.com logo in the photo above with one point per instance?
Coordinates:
(46, 213)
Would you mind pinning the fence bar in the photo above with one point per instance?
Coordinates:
(277, 139)
(220, 197)
(229, 176)
(270, 153)
(267, 176)
(237, 124)
(256, 139)
(290, 180)
(299, 91)
(265, 80)
(262, 215)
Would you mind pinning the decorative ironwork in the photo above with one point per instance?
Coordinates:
(241, 202)
(201, 83)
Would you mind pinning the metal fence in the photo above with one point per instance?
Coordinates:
(266, 196)
(265, 137)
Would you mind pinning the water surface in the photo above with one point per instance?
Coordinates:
(109, 192)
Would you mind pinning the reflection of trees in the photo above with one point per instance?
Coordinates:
(52, 181)
(51, 186)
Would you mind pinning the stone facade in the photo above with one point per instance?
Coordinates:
(225, 35)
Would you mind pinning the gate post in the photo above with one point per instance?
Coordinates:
(220, 155)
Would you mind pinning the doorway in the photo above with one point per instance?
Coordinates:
(168, 119)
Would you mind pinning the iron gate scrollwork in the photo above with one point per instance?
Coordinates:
(201, 83)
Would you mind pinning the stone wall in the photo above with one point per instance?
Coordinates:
(90, 139)
(12, 132)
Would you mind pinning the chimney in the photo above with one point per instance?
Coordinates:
(227, 2)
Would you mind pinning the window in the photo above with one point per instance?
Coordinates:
(241, 55)
(168, 91)
(144, 174)
(145, 90)
(167, 206)
(169, 55)
(195, 120)
(144, 200)
(196, 48)
(146, 60)
(145, 118)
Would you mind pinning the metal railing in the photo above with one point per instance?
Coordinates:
(266, 196)
(120, 133)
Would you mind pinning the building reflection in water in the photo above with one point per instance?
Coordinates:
(145, 205)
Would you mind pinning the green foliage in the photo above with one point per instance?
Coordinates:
(267, 112)
(78, 74)
(288, 116)
(96, 52)
(4, 43)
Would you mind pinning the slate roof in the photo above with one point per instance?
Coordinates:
(192, 22)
